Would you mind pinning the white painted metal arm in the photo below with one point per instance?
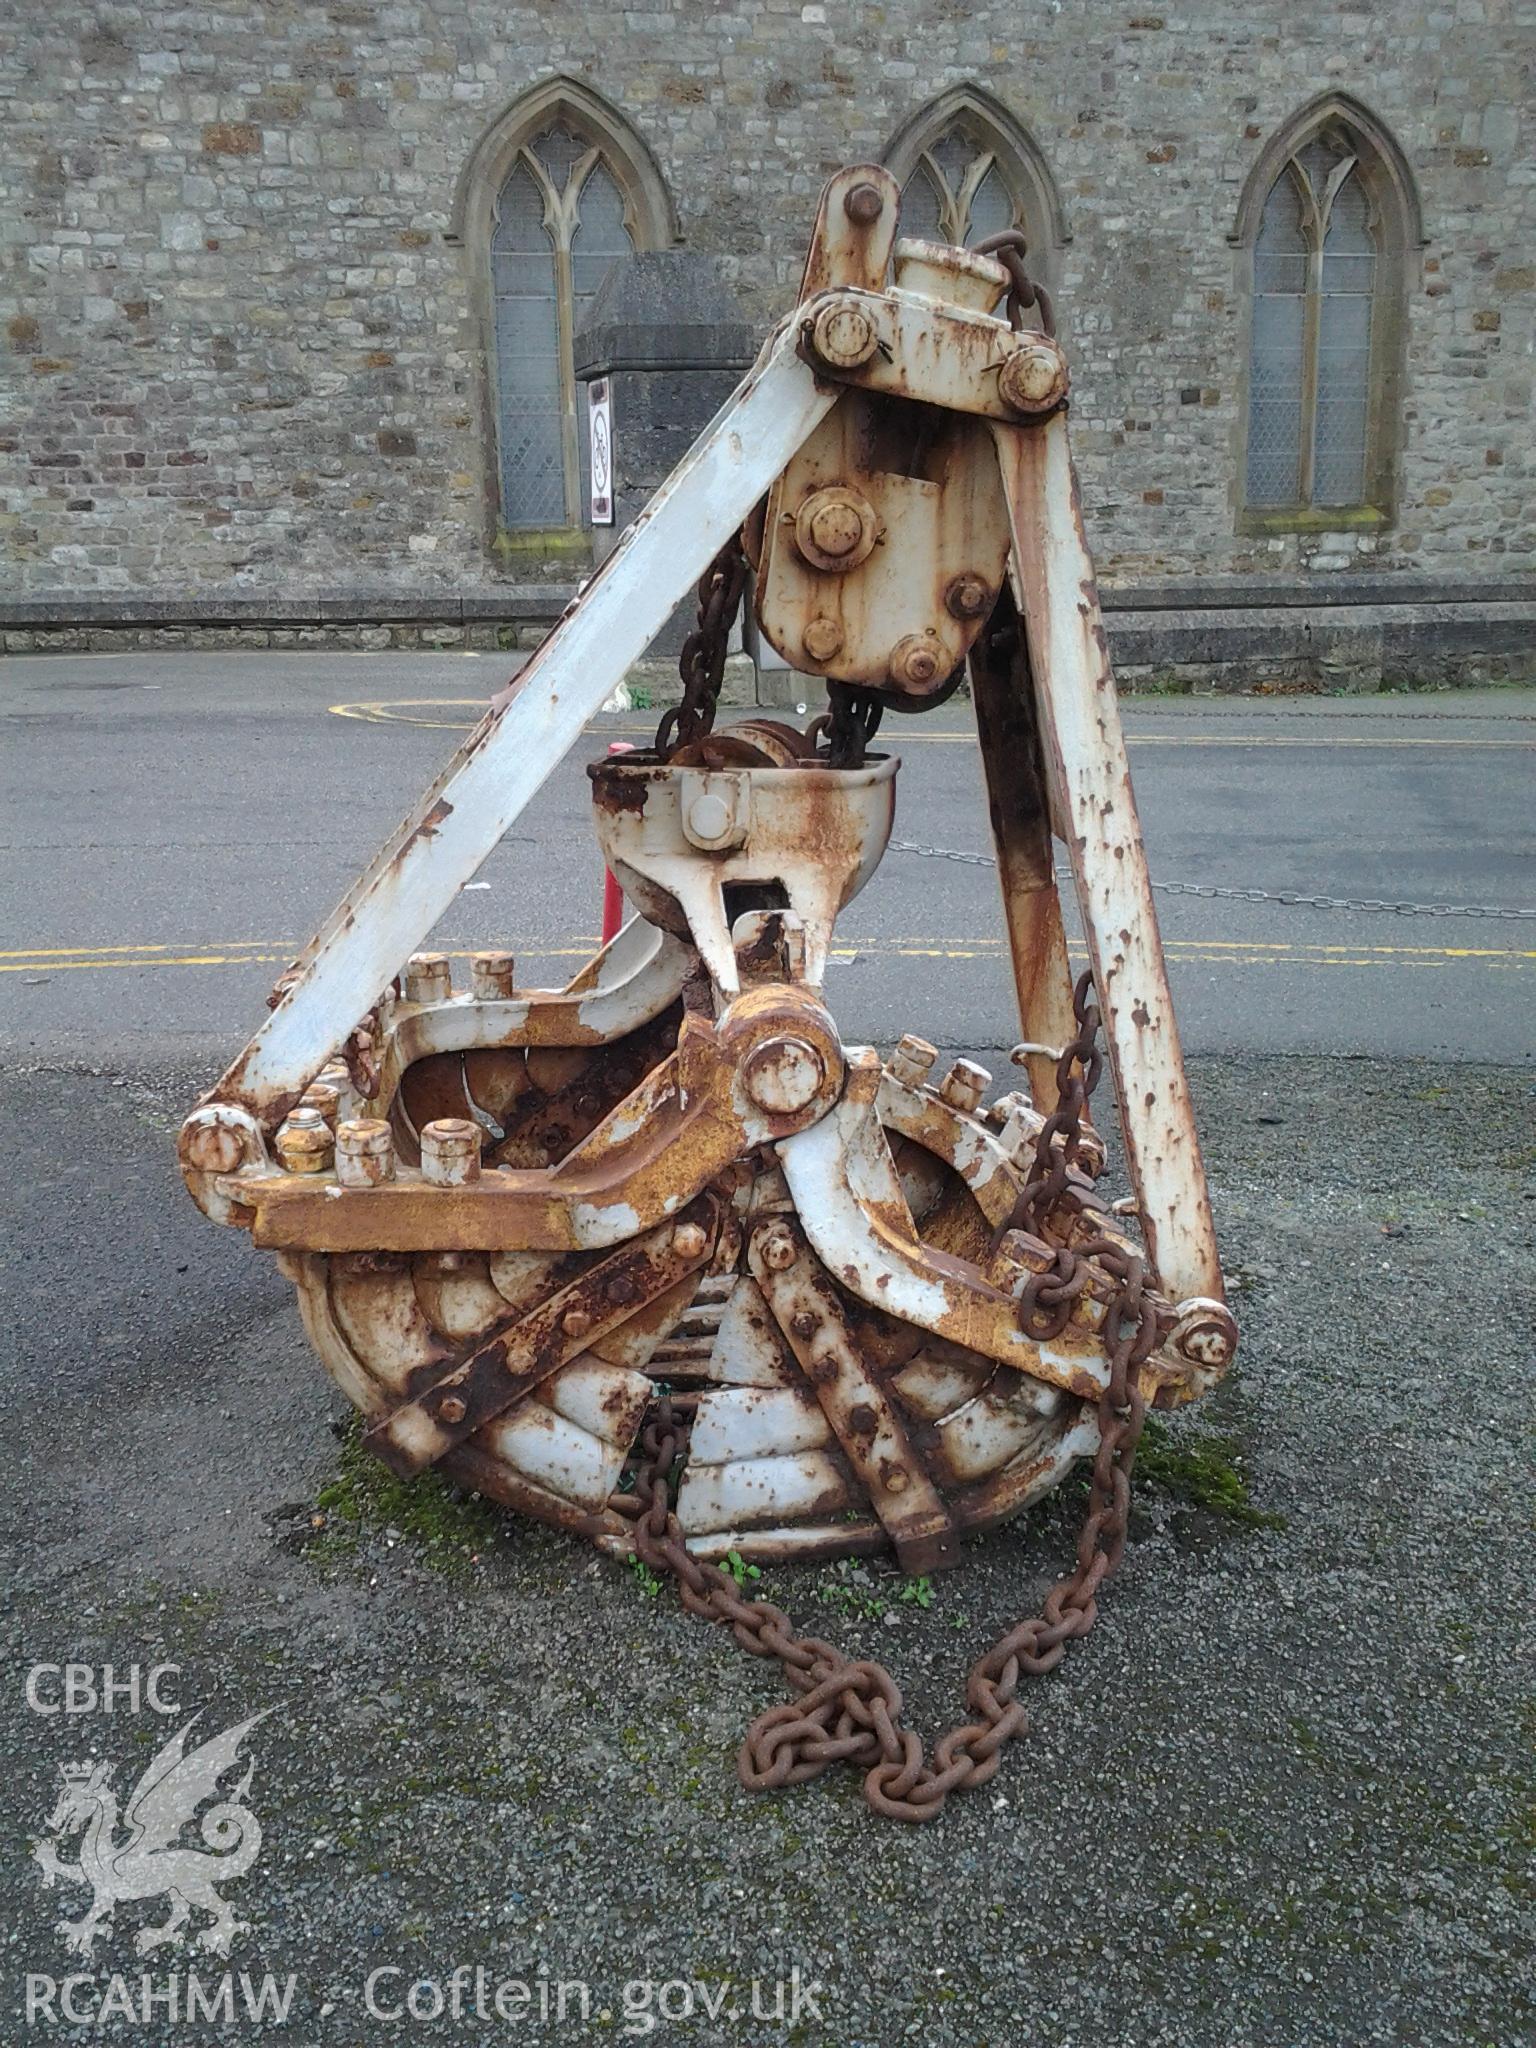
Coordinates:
(1079, 716)
(529, 727)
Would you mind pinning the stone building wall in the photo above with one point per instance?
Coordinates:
(241, 354)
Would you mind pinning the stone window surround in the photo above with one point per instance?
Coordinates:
(648, 215)
(1382, 167)
(1019, 159)
(1397, 217)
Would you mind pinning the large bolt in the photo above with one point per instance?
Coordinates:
(325, 1097)
(917, 661)
(822, 637)
(621, 1290)
(783, 1076)
(778, 1251)
(576, 1322)
(365, 1152)
(844, 336)
(491, 975)
(863, 204)
(334, 1075)
(1034, 378)
(968, 597)
(689, 1240)
(710, 818)
(215, 1148)
(451, 1409)
(450, 1151)
(1205, 1333)
(964, 1085)
(304, 1143)
(803, 1324)
(428, 978)
(912, 1061)
(835, 528)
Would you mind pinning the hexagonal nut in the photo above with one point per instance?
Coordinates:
(304, 1143)
(1205, 1334)
(1033, 379)
(968, 597)
(365, 1152)
(918, 662)
(324, 1097)
(836, 528)
(912, 1061)
(450, 1151)
(690, 1240)
(428, 978)
(843, 335)
(491, 976)
(778, 1249)
(964, 1085)
(213, 1147)
(821, 637)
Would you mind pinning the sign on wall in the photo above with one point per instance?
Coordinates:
(600, 430)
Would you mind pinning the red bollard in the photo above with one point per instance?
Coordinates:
(613, 895)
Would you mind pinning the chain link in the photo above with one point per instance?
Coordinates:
(702, 661)
(850, 1710)
(1293, 897)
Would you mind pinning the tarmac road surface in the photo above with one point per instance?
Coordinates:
(1283, 1797)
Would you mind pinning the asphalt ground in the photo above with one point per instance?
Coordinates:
(177, 826)
(1285, 1794)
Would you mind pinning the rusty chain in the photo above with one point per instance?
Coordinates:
(702, 662)
(848, 725)
(849, 1710)
(1025, 293)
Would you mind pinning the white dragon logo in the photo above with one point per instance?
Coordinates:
(150, 1859)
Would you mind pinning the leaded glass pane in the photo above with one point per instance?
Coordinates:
(600, 238)
(559, 151)
(1344, 350)
(527, 357)
(922, 208)
(954, 155)
(1279, 332)
(991, 208)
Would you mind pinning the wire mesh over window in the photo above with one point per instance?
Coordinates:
(956, 191)
(560, 223)
(1309, 380)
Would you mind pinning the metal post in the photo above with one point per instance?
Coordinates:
(1079, 716)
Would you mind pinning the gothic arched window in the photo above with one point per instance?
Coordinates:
(1327, 237)
(969, 170)
(556, 190)
(559, 224)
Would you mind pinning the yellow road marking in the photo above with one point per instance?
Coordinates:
(1214, 952)
(398, 710)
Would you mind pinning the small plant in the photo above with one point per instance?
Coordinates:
(645, 1578)
(739, 1569)
(917, 1593)
(639, 698)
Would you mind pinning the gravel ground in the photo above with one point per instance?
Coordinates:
(1285, 1794)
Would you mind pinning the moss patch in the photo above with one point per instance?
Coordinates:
(1200, 1470)
(447, 1527)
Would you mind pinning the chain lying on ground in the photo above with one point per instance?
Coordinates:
(702, 662)
(1293, 897)
(849, 1711)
